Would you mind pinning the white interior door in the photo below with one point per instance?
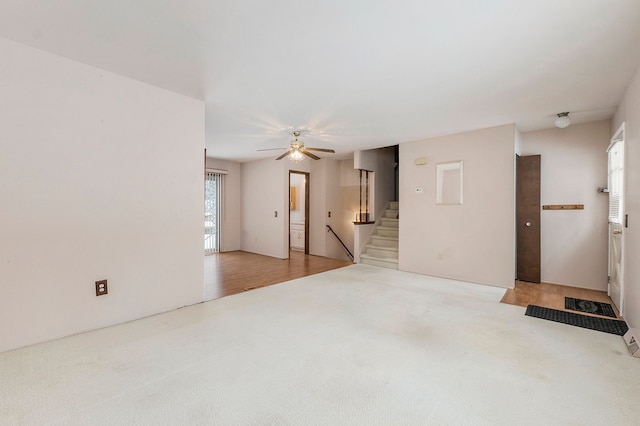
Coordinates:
(616, 218)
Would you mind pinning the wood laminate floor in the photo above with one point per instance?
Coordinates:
(237, 271)
(552, 296)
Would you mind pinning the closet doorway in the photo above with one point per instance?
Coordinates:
(299, 211)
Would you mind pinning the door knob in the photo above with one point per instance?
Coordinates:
(527, 224)
(617, 231)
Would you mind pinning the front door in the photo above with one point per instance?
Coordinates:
(616, 218)
(528, 218)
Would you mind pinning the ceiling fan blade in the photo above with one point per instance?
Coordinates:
(284, 155)
(308, 154)
(270, 149)
(321, 150)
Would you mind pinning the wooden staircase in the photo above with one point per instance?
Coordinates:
(382, 249)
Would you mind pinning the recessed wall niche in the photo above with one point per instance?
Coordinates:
(449, 183)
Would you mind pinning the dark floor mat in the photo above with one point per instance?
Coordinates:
(590, 307)
(593, 323)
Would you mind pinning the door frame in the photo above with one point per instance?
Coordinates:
(306, 209)
(615, 230)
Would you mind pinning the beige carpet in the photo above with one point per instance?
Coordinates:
(357, 345)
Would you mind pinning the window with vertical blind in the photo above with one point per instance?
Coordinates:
(213, 190)
(616, 181)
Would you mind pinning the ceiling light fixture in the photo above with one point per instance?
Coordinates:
(563, 120)
(296, 156)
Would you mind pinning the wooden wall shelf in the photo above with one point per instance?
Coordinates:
(563, 207)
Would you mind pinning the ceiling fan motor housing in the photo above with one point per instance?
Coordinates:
(297, 148)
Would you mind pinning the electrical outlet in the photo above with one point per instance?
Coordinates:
(101, 288)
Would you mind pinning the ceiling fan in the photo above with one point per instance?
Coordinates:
(297, 150)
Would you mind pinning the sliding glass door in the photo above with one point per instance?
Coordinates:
(213, 189)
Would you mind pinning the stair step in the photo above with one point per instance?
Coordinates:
(382, 252)
(393, 214)
(385, 231)
(390, 223)
(377, 261)
(382, 249)
(380, 241)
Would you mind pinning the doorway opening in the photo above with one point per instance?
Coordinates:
(299, 211)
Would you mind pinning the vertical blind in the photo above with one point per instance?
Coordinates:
(616, 182)
(213, 190)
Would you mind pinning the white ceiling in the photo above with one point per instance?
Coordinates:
(352, 74)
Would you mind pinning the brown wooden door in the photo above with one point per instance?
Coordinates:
(528, 218)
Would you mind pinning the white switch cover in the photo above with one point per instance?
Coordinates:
(419, 190)
(421, 161)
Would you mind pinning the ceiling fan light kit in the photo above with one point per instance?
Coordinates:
(296, 156)
(563, 120)
(297, 151)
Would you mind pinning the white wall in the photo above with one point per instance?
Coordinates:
(574, 164)
(629, 113)
(317, 206)
(231, 204)
(265, 191)
(518, 151)
(333, 200)
(102, 178)
(474, 241)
